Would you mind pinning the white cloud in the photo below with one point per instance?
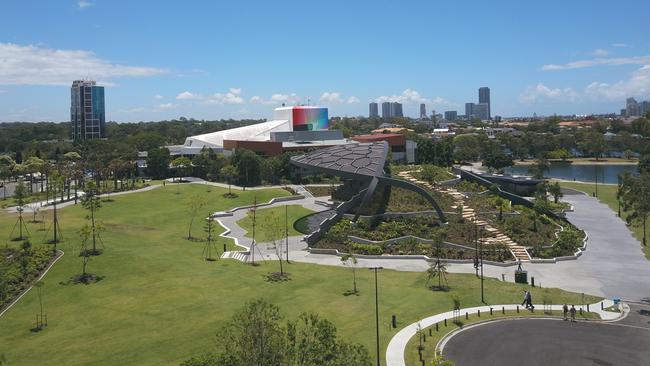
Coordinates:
(158, 96)
(186, 95)
(541, 92)
(619, 45)
(331, 98)
(34, 65)
(167, 106)
(3, 91)
(233, 96)
(353, 100)
(84, 4)
(637, 85)
(600, 52)
(636, 60)
(275, 99)
(410, 96)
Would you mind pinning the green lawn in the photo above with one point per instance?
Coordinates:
(160, 303)
(607, 195)
(270, 222)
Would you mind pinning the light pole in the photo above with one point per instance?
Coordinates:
(481, 252)
(376, 310)
(596, 178)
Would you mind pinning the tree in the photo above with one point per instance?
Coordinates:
(91, 202)
(438, 268)
(209, 245)
(248, 166)
(7, 165)
(158, 163)
(497, 159)
(556, 191)
(84, 235)
(351, 261)
(594, 144)
(230, 172)
(183, 167)
(644, 164)
(197, 202)
(466, 148)
(20, 198)
(33, 165)
(539, 167)
(256, 336)
(501, 204)
(635, 193)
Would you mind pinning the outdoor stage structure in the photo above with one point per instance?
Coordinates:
(363, 163)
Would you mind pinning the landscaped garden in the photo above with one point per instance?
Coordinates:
(159, 302)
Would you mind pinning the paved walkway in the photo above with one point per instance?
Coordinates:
(47, 205)
(397, 344)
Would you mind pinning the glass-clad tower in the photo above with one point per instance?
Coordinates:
(87, 113)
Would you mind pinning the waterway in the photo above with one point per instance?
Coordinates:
(584, 173)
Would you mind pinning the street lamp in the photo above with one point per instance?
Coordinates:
(376, 309)
(478, 259)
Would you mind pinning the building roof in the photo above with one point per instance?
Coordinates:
(390, 130)
(257, 132)
(358, 158)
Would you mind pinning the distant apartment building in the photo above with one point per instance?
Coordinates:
(423, 111)
(373, 110)
(631, 107)
(644, 107)
(481, 111)
(451, 115)
(469, 107)
(484, 97)
(87, 110)
(391, 109)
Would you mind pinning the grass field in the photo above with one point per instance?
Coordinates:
(159, 302)
(607, 195)
(270, 222)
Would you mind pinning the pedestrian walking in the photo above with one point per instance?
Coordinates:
(573, 313)
(525, 299)
(565, 311)
(529, 301)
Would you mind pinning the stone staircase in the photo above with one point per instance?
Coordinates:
(236, 255)
(495, 236)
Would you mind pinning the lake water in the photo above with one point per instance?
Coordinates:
(584, 173)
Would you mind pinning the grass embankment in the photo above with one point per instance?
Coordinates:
(159, 302)
(607, 195)
(320, 191)
(431, 336)
(270, 222)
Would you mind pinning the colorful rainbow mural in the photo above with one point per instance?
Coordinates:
(307, 118)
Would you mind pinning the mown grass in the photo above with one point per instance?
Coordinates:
(270, 222)
(159, 302)
(607, 195)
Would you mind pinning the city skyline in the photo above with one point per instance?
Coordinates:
(238, 72)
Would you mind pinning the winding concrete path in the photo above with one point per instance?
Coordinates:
(397, 344)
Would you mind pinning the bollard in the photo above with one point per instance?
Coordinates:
(587, 307)
(517, 309)
(436, 327)
(466, 316)
(503, 310)
(394, 321)
(445, 322)
(430, 331)
(491, 311)
(532, 281)
(580, 311)
(479, 313)
(601, 306)
(503, 277)
(423, 364)
(425, 338)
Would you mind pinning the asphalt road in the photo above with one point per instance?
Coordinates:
(541, 342)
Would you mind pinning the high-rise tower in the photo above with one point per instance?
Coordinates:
(87, 112)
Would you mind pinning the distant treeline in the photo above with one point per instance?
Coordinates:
(44, 138)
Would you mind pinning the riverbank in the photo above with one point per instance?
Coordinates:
(583, 161)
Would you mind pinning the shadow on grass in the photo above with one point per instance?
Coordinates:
(351, 292)
(84, 279)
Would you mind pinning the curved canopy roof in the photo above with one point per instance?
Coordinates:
(365, 159)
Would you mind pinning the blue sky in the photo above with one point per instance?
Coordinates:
(224, 59)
